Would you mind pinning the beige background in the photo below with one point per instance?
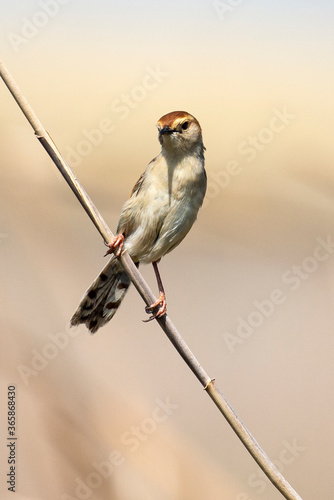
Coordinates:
(269, 204)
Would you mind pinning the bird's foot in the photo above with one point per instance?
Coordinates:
(161, 304)
(116, 246)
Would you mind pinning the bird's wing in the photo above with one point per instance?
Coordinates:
(137, 186)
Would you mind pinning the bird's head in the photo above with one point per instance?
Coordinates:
(180, 132)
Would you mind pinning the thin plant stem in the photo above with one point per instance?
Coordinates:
(165, 322)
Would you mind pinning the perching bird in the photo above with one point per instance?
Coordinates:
(159, 213)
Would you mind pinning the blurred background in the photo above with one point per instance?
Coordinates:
(118, 414)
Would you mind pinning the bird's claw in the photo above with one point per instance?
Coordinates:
(116, 246)
(161, 311)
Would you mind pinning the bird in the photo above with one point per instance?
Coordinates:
(159, 213)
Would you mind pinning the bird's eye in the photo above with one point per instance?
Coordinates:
(185, 125)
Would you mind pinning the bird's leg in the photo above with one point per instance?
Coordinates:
(116, 245)
(161, 302)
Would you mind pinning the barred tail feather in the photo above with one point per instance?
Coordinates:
(103, 297)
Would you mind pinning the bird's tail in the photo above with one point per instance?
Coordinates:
(103, 297)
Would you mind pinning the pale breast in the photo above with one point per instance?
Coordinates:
(159, 215)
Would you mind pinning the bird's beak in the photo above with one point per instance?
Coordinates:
(165, 130)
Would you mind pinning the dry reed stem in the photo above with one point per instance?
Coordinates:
(166, 324)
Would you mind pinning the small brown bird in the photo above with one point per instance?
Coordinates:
(159, 213)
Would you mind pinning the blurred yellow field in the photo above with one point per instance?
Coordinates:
(251, 288)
